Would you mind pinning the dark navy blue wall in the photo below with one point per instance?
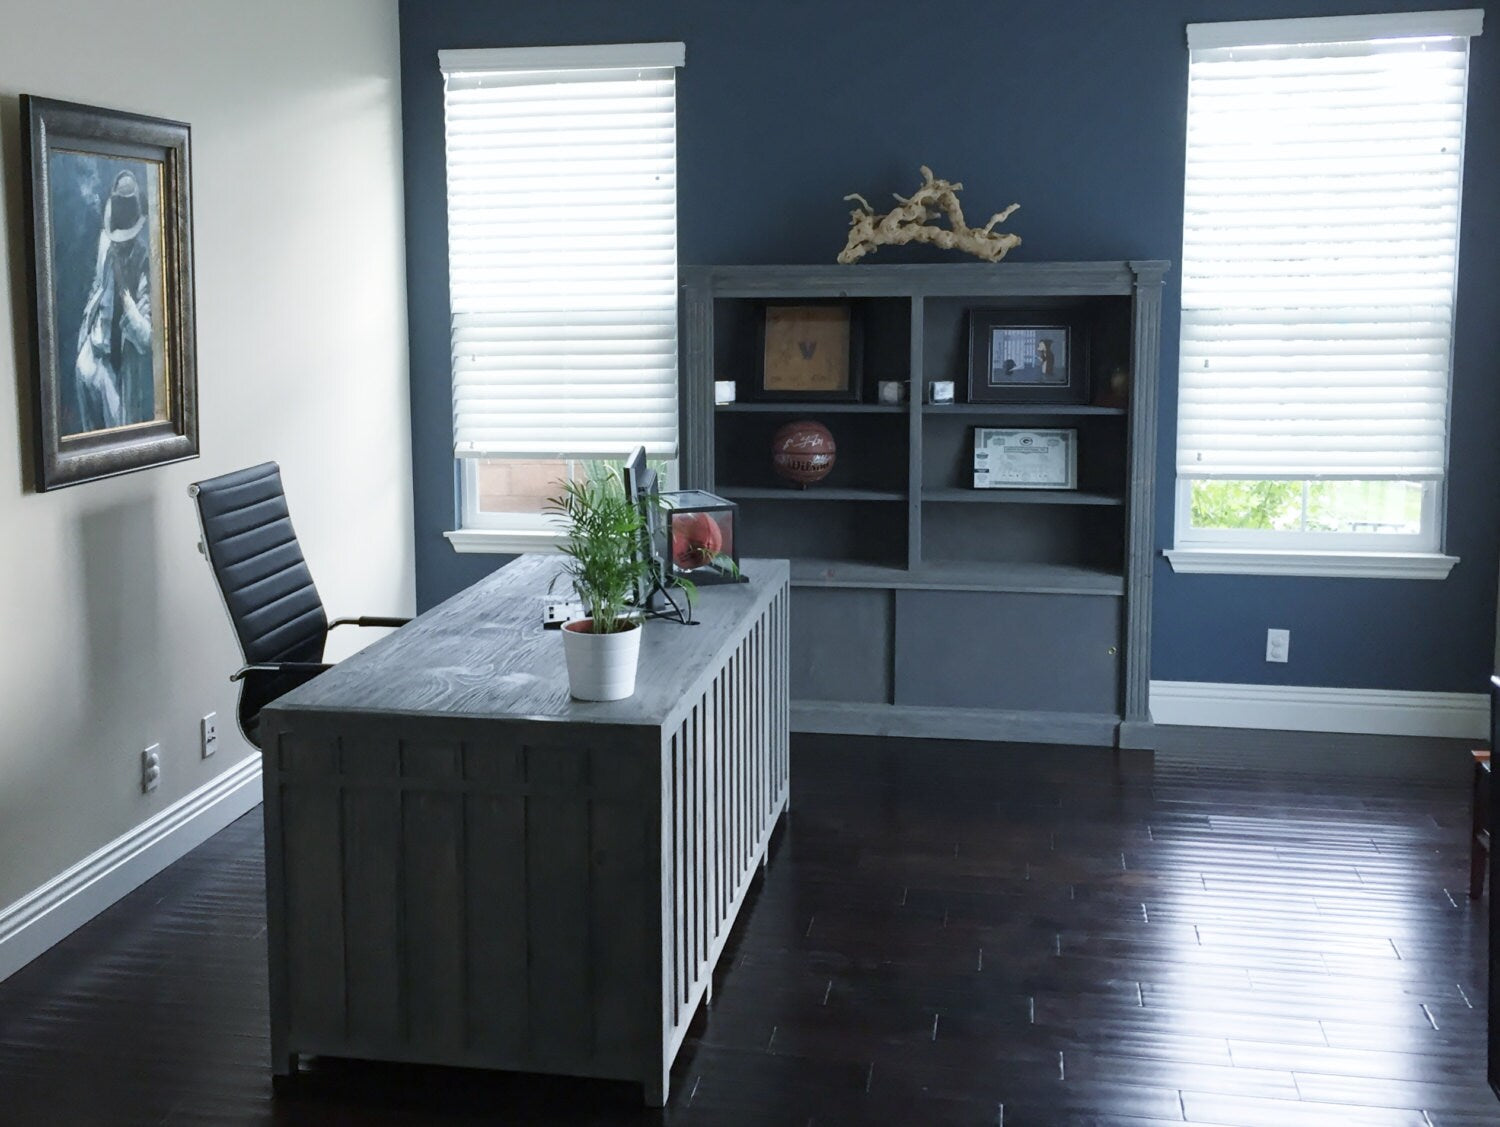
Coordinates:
(1074, 108)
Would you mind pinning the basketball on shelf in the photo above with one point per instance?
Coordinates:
(802, 452)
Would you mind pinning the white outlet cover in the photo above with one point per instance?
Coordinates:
(208, 734)
(1278, 645)
(150, 768)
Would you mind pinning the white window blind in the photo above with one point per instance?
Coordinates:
(562, 243)
(1320, 245)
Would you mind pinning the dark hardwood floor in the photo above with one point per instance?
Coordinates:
(948, 933)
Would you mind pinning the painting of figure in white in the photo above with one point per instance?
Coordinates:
(107, 240)
(110, 250)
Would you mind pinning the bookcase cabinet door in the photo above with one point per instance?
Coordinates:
(1023, 652)
(841, 645)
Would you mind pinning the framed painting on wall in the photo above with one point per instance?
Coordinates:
(109, 199)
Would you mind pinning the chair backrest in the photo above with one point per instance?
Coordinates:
(267, 588)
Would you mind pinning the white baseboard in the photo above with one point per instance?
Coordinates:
(50, 913)
(1298, 708)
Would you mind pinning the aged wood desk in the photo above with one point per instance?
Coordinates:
(465, 866)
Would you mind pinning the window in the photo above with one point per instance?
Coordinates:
(562, 270)
(1320, 251)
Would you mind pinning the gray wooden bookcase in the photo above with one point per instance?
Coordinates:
(920, 605)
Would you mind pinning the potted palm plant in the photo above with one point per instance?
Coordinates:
(610, 565)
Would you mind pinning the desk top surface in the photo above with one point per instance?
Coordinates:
(484, 653)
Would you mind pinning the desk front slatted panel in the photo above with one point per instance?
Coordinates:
(724, 785)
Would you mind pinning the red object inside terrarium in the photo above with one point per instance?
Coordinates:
(698, 539)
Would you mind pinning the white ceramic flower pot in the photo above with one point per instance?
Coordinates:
(600, 666)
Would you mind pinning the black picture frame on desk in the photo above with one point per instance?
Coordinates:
(809, 352)
(1021, 356)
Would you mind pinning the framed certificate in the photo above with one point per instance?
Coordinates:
(1025, 459)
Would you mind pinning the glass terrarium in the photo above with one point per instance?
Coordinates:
(700, 544)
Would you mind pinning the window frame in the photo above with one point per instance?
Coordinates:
(1429, 539)
(479, 531)
(1417, 555)
(514, 532)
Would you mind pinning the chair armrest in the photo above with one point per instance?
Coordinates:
(306, 667)
(368, 620)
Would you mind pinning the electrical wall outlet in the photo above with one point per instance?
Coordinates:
(150, 768)
(1278, 644)
(554, 614)
(208, 734)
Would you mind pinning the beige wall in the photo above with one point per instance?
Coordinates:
(112, 636)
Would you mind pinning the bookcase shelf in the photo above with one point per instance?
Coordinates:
(1019, 497)
(954, 575)
(800, 408)
(811, 494)
(914, 594)
(1019, 410)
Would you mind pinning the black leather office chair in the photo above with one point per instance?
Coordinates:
(278, 617)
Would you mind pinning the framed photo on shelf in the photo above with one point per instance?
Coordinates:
(1025, 459)
(1027, 357)
(110, 241)
(809, 351)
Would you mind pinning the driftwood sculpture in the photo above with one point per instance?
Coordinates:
(911, 223)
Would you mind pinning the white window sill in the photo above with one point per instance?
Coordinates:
(1354, 565)
(500, 540)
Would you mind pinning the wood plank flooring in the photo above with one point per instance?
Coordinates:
(948, 934)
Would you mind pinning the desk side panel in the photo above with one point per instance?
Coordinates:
(724, 782)
(465, 893)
